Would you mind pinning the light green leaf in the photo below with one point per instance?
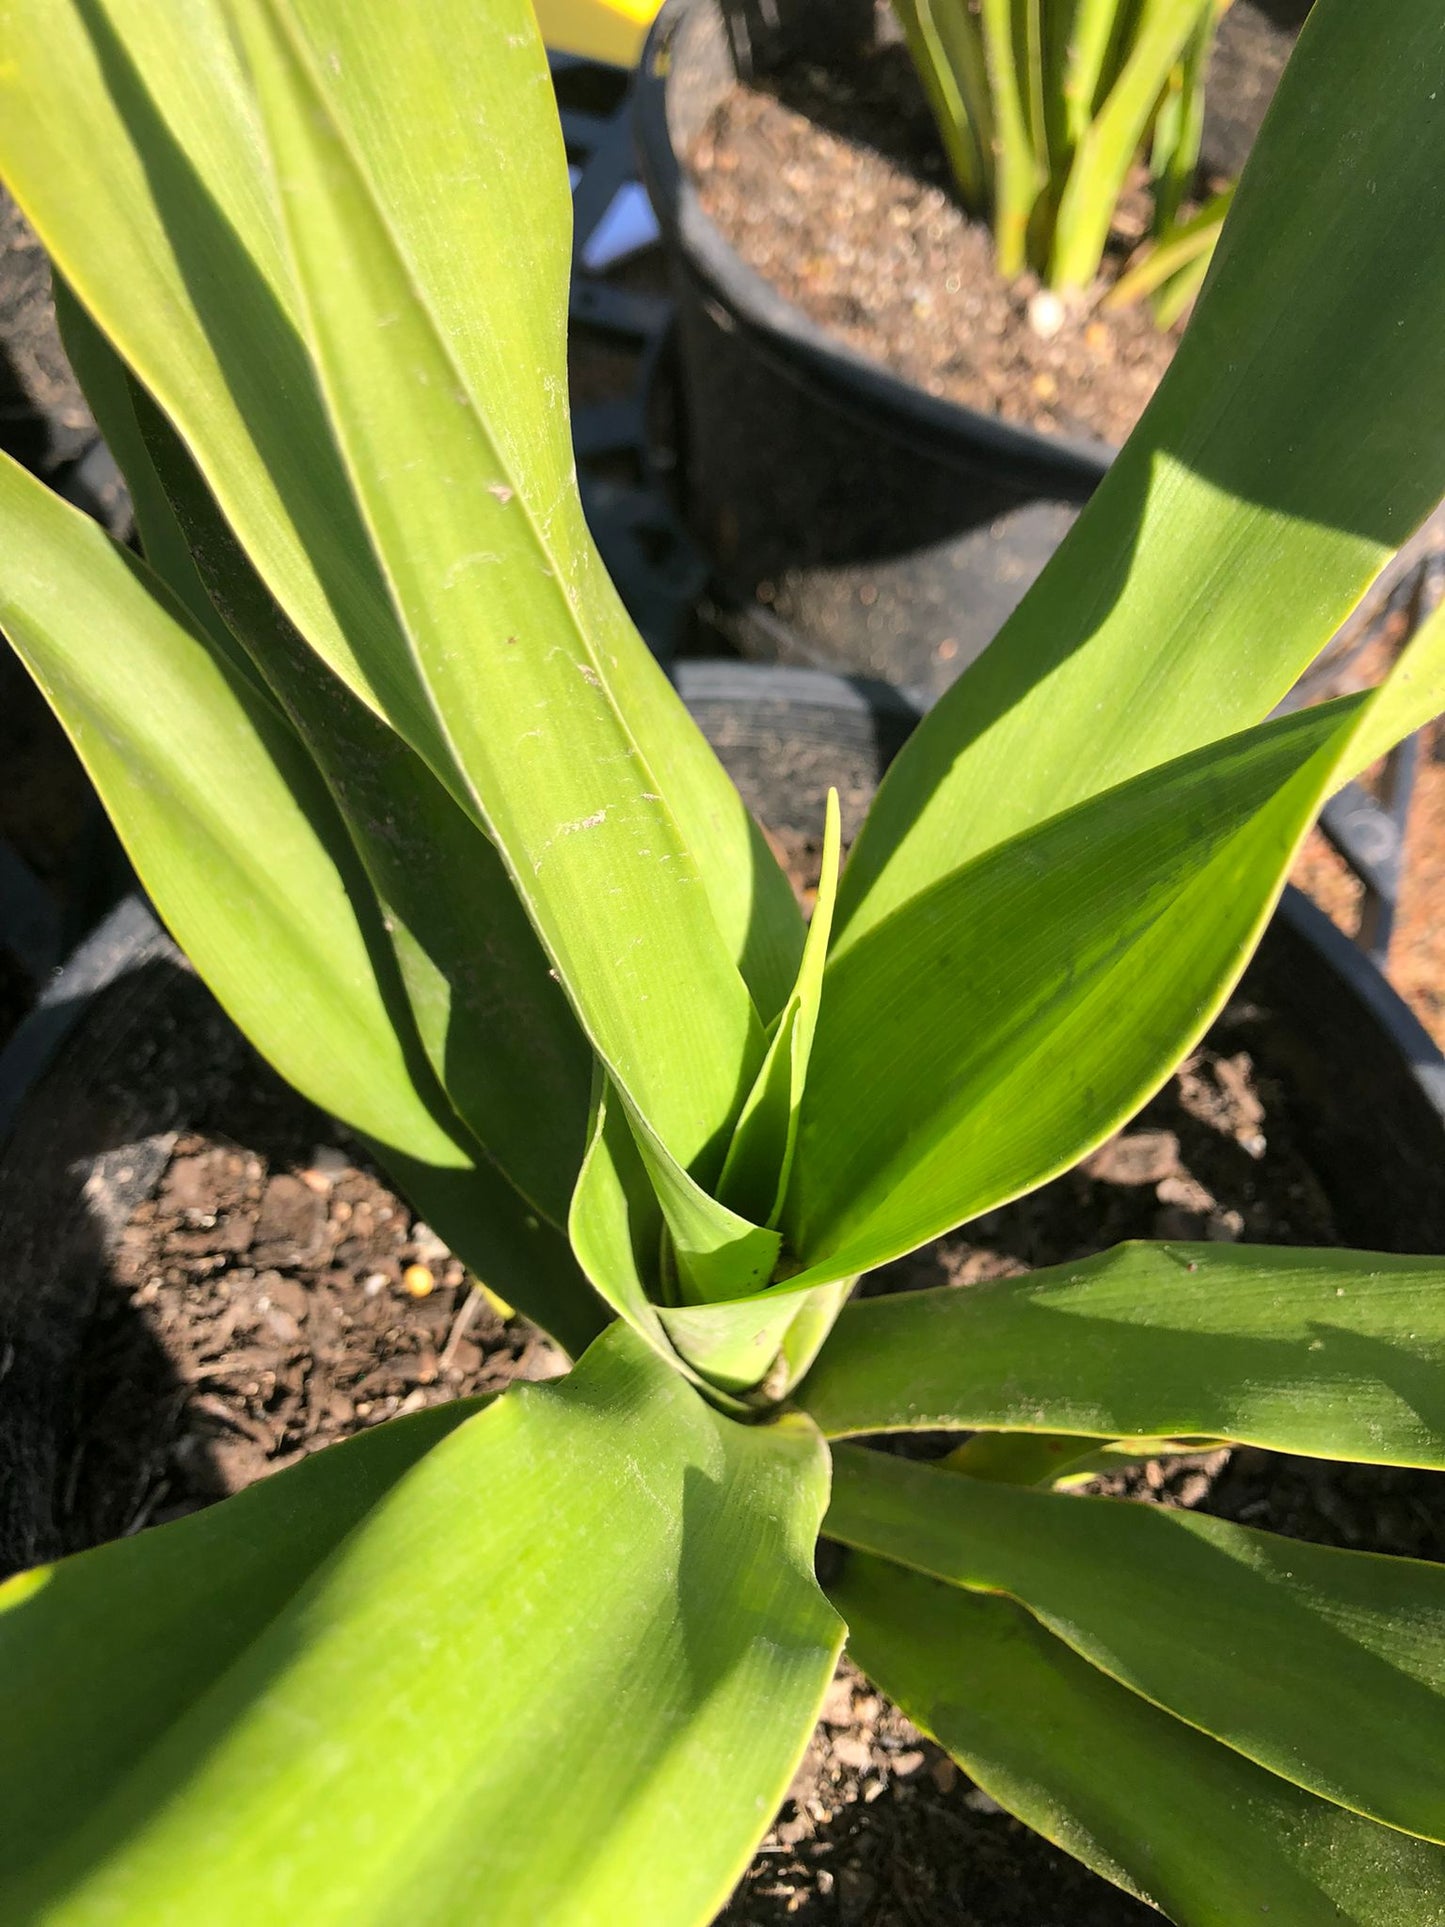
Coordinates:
(1231, 536)
(171, 190)
(1326, 1667)
(760, 1157)
(264, 896)
(1111, 142)
(168, 192)
(763, 1342)
(578, 1703)
(1148, 1802)
(114, 397)
(1001, 1024)
(1334, 1354)
(509, 616)
(492, 1020)
(617, 1228)
(1010, 1017)
(415, 115)
(232, 831)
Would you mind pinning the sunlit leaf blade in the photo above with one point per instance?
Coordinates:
(1014, 1013)
(492, 1019)
(228, 823)
(1413, 692)
(1326, 1667)
(416, 116)
(112, 395)
(169, 192)
(600, 1595)
(1011, 1016)
(1113, 138)
(616, 1226)
(1334, 1354)
(241, 848)
(743, 1345)
(493, 578)
(1150, 1803)
(1231, 536)
(760, 1157)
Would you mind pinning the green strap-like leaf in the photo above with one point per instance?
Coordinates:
(417, 116)
(170, 192)
(1244, 518)
(1334, 1354)
(1148, 1802)
(1015, 1014)
(1325, 1667)
(163, 221)
(555, 1664)
(1001, 1024)
(510, 623)
(760, 1158)
(495, 1026)
(241, 848)
(1112, 140)
(223, 813)
(617, 1228)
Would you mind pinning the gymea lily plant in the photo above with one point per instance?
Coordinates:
(1044, 107)
(411, 793)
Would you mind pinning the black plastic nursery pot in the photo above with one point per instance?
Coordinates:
(97, 1091)
(853, 520)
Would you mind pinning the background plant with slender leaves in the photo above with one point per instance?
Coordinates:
(413, 796)
(1044, 108)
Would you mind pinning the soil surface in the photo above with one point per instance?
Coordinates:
(43, 415)
(832, 184)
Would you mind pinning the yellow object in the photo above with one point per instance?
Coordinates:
(417, 1279)
(498, 1304)
(610, 30)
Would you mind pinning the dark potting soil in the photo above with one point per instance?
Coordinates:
(833, 185)
(244, 1283)
(43, 415)
(208, 1276)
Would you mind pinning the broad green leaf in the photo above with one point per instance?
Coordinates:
(1153, 1805)
(494, 1024)
(168, 193)
(241, 848)
(171, 191)
(1007, 1019)
(223, 814)
(1002, 1023)
(1325, 1667)
(1244, 519)
(560, 1669)
(617, 1229)
(416, 115)
(509, 619)
(1333, 1354)
(113, 397)
(1412, 693)
(760, 1157)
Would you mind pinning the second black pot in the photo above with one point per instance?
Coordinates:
(853, 521)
